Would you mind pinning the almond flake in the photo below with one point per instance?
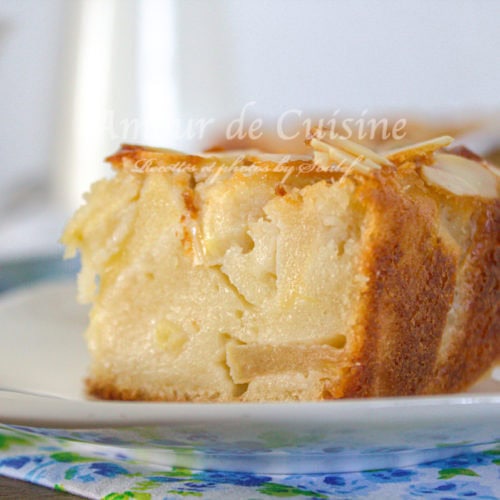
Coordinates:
(461, 176)
(345, 161)
(420, 149)
(351, 147)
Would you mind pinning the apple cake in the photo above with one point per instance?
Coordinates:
(241, 276)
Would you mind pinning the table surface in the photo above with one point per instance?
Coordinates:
(15, 490)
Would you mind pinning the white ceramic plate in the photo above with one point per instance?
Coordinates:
(43, 362)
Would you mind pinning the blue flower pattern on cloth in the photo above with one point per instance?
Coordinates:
(113, 475)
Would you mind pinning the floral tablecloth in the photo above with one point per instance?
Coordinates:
(112, 475)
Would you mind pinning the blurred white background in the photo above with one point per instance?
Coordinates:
(79, 77)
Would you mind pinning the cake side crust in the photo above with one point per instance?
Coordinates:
(411, 272)
(477, 348)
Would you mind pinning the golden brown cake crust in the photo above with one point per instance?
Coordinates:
(103, 389)
(107, 389)
(398, 338)
(400, 342)
(479, 346)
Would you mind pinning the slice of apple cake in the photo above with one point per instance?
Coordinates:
(247, 277)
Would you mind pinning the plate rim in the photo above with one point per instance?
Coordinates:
(53, 412)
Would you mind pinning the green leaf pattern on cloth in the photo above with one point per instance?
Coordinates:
(449, 473)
